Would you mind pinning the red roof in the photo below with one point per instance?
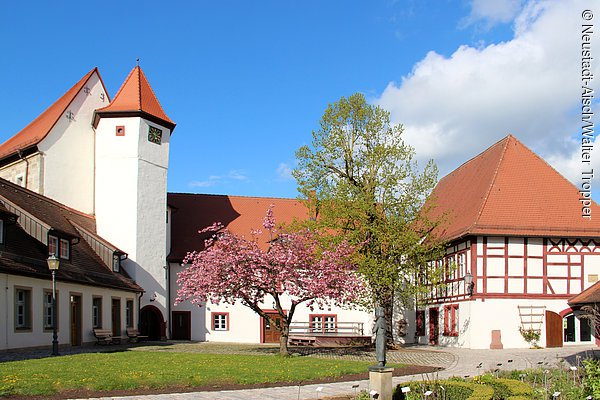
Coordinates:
(39, 128)
(588, 296)
(241, 215)
(509, 190)
(136, 95)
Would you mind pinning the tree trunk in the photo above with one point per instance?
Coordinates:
(283, 341)
(388, 305)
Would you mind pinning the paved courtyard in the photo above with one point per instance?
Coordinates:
(456, 362)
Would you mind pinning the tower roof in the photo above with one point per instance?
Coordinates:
(39, 128)
(509, 190)
(135, 97)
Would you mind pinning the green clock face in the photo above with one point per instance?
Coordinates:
(154, 135)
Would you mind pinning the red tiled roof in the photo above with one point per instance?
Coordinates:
(241, 215)
(136, 95)
(588, 296)
(39, 128)
(509, 190)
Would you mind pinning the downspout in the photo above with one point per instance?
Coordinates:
(139, 319)
(6, 311)
(168, 272)
(20, 153)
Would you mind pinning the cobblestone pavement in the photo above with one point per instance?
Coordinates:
(456, 362)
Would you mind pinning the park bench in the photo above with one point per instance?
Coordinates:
(104, 336)
(134, 335)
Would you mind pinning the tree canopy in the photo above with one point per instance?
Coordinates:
(362, 181)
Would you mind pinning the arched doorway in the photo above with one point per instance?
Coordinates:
(152, 323)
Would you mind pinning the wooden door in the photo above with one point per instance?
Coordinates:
(75, 320)
(434, 322)
(270, 332)
(554, 329)
(116, 317)
(181, 328)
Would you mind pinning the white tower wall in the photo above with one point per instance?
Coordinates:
(131, 200)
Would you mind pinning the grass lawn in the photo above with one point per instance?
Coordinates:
(143, 369)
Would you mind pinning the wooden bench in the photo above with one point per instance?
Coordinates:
(104, 336)
(134, 335)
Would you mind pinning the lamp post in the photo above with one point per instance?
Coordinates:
(469, 283)
(53, 263)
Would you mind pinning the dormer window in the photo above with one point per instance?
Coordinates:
(64, 249)
(59, 247)
(52, 245)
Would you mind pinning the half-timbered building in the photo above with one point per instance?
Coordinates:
(519, 247)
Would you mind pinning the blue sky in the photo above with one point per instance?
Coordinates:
(247, 82)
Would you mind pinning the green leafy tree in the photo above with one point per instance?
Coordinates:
(362, 182)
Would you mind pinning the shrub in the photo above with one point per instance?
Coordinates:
(591, 378)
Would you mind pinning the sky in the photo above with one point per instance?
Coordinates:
(248, 81)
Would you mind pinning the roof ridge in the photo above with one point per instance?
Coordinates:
(235, 196)
(73, 91)
(487, 194)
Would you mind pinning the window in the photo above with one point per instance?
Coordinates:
(23, 308)
(451, 320)
(64, 249)
(1, 231)
(97, 312)
(48, 309)
(129, 313)
(220, 321)
(52, 245)
(323, 323)
(20, 179)
(420, 322)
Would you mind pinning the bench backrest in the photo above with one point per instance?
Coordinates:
(102, 332)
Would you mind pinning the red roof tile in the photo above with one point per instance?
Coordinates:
(509, 190)
(136, 95)
(588, 296)
(241, 215)
(39, 128)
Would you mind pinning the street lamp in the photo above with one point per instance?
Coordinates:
(53, 263)
(469, 283)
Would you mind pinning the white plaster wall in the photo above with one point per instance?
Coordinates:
(131, 201)
(68, 150)
(37, 336)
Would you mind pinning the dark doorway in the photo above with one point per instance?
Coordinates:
(270, 332)
(152, 323)
(554, 330)
(116, 317)
(434, 324)
(182, 325)
(75, 320)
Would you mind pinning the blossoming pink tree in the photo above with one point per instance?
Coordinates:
(296, 266)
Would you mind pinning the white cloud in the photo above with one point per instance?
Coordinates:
(492, 12)
(453, 108)
(284, 172)
(237, 175)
